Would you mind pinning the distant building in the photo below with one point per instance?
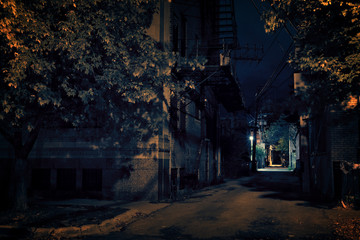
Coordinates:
(235, 144)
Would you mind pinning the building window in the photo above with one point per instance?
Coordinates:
(183, 36)
(66, 179)
(40, 179)
(197, 111)
(182, 178)
(174, 174)
(92, 179)
(175, 38)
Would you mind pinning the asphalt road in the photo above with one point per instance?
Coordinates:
(267, 205)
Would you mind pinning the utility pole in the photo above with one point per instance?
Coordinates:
(254, 162)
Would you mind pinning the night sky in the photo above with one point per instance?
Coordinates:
(252, 75)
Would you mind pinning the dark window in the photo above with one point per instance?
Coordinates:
(66, 179)
(40, 179)
(174, 175)
(175, 38)
(183, 36)
(182, 178)
(92, 179)
(197, 111)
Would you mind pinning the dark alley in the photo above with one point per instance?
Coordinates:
(267, 205)
(180, 119)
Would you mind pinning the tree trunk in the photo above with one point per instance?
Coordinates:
(20, 183)
(21, 170)
(22, 143)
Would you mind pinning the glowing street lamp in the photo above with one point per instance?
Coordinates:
(251, 138)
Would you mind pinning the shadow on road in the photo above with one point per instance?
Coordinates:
(283, 185)
(175, 233)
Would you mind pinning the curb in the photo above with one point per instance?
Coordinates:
(107, 226)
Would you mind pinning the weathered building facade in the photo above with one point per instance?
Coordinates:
(185, 151)
(328, 150)
(235, 144)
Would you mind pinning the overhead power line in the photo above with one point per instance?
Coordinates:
(282, 64)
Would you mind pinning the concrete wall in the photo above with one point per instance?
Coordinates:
(160, 28)
(127, 172)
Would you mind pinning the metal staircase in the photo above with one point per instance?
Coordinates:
(226, 24)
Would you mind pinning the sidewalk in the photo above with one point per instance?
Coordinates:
(74, 218)
(81, 218)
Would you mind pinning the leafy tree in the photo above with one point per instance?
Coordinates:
(79, 63)
(260, 153)
(277, 134)
(327, 36)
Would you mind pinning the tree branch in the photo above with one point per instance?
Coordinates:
(33, 135)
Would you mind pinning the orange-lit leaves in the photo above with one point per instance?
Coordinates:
(351, 103)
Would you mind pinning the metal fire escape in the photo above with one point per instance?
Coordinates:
(220, 77)
(226, 24)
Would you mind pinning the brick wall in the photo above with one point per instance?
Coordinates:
(344, 137)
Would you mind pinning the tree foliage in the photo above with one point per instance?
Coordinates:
(81, 63)
(260, 153)
(278, 134)
(78, 61)
(327, 37)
